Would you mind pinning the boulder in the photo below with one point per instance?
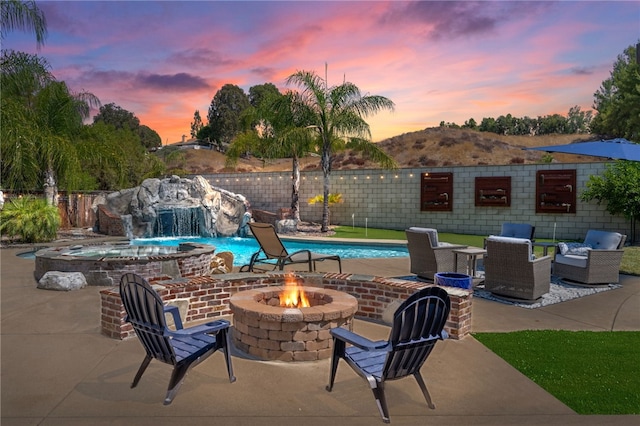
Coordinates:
(287, 226)
(62, 281)
(178, 206)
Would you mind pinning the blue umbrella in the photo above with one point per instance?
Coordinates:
(617, 149)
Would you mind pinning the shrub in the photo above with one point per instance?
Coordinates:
(31, 219)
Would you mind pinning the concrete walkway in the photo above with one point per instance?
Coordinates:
(57, 369)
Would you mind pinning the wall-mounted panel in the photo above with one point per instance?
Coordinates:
(493, 191)
(556, 191)
(436, 192)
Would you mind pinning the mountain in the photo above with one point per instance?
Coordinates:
(431, 147)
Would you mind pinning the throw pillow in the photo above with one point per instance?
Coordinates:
(574, 248)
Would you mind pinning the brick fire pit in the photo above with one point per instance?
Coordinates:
(268, 331)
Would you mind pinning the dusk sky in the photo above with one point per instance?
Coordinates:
(437, 61)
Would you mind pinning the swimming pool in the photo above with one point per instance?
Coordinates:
(243, 248)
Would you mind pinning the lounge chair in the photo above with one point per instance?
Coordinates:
(273, 253)
(183, 348)
(417, 325)
(429, 256)
(510, 269)
(518, 230)
(595, 261)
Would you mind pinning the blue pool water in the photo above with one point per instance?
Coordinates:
(243, 248)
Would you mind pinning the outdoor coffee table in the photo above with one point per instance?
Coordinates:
(472, 254)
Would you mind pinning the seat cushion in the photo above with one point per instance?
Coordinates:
(603, 240)
(433, 234)
(571, 260)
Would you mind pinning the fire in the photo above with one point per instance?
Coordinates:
(293, 295)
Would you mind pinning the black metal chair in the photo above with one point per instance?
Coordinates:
(182, 348)
(274, 254)
(417, 325)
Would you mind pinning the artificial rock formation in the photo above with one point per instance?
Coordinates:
(177, 207)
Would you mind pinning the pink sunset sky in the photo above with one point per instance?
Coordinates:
(437, 61)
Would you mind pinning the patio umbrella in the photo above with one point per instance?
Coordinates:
(617, 149)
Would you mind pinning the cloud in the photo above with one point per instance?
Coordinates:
(446, 20)
(171, 83)
(581, 71)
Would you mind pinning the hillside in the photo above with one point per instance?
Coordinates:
(432, 147)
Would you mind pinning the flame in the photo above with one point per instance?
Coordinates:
(293, 295)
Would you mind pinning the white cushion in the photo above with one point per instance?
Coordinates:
(512, 240)
(572, 260)
(433, 234)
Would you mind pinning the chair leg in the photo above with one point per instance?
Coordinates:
(338, 352)
(381, 401)
(223, 334)
(177, 377)
(425, 392)
(141, 370)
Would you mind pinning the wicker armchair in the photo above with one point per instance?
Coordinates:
(429, 256)
(511, 271)
(600, 264)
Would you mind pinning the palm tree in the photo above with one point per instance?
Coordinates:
(281, 134)
(40, 117)
(24, 16)
(336, 115)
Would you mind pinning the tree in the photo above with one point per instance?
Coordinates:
(578, 121)
(149, 138)
(117, 117)
(336, 115)
(196, 124)
(619, 187)
(39, 122)
(280, 132)
(617, 101)
(23, 16)
(225, 113)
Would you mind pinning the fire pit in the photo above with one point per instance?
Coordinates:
(290, 322)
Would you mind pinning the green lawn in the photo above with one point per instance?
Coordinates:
(591, 372)
(630, 260)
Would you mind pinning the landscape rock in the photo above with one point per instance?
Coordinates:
(62, 281)
(178, 206)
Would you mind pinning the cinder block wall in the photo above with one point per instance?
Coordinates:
(391, 199)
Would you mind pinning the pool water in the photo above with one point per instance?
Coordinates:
(243, 248)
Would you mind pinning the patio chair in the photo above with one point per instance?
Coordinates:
(593, 262)
(417, 325)
(273, 253)
(511, 271)
(182, 348)
(428, 255)
(518, 230)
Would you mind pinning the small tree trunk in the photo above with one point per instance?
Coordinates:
(326, 171)
(50, 188)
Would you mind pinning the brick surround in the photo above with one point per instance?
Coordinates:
(208, 297)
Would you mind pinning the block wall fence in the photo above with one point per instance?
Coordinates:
(391, 199)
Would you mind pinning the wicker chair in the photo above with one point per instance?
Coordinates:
(511, 271)
(429, 256)
(601, 263)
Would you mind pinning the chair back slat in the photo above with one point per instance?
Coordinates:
(268, 239)
(417, 324)
(145, 312)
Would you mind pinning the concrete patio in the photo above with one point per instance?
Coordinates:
(57, 369)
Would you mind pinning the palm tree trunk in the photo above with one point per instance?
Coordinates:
(50, 188)
(295, 190)
(326, 171)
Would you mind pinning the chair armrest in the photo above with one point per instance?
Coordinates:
(542, 259)
(208, 328)
(175, 313)
(451, 247)
(357, 340)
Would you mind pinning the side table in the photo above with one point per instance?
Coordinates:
(545, 246)
(472, 254)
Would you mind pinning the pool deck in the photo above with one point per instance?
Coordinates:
(57, 369)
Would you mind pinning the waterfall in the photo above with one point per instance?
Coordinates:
(178, 222)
